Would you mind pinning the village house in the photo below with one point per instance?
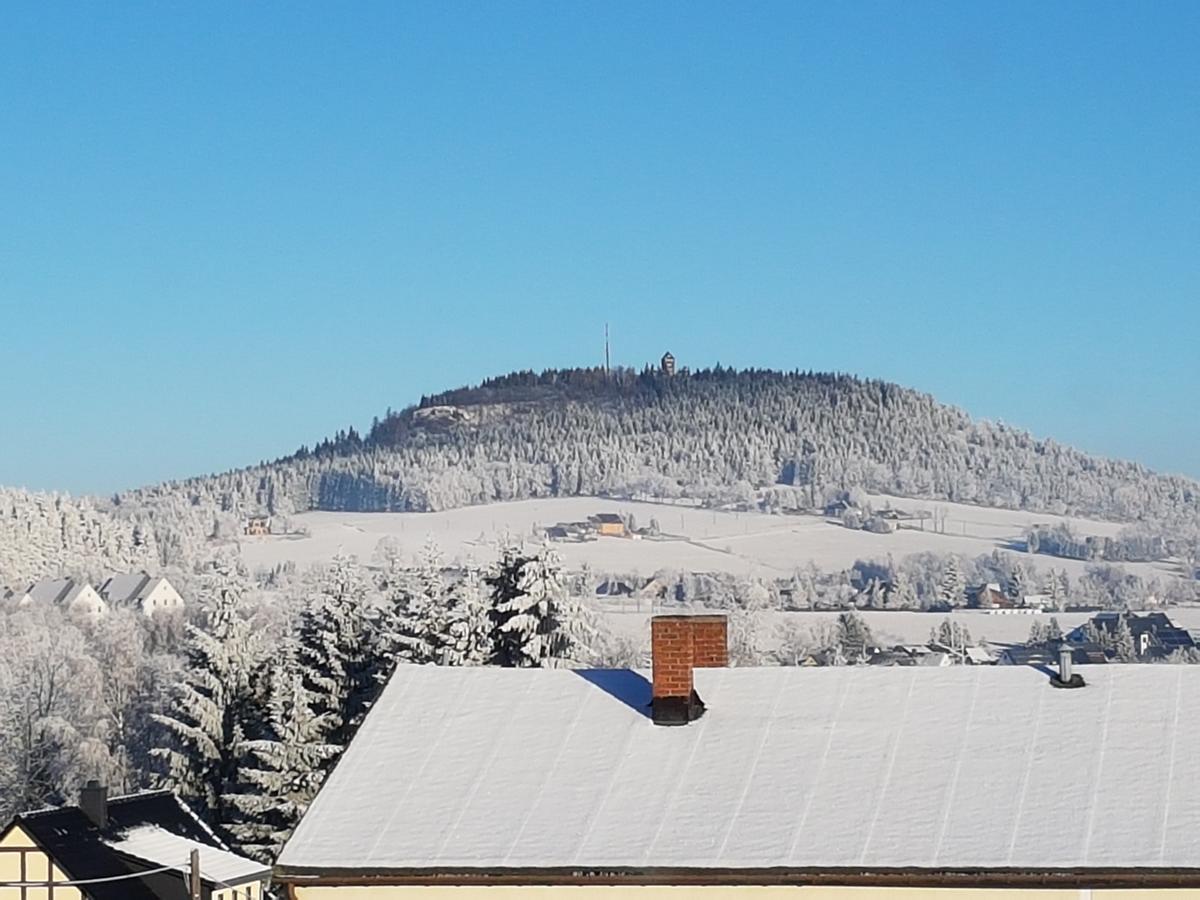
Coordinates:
(138, 590)
(75, 597)
(698, 779)
(137, 847)
(1155, 636)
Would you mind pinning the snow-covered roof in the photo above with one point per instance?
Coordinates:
(57, 590)
(160, 847)
(130, 588)
(790, 768)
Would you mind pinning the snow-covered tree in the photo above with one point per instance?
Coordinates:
(281, 772)
(335, 650)
(217, 703)
(534, 621)
(952, 587)
(468, 633)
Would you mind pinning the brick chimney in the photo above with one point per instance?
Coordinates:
(93, 801)
(680, 644)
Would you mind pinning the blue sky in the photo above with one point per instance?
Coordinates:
(226, 230)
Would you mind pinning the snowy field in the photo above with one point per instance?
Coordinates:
(700, 540)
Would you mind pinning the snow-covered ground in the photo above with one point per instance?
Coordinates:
(702, 540)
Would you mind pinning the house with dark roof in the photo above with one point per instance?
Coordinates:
(137, 847)
(700, 779)
(609, 525)
(1155, 636)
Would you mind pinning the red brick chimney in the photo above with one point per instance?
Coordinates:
(680, 644)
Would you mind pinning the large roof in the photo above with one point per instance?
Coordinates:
(963, 768)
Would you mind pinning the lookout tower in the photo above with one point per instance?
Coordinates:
(668, 364)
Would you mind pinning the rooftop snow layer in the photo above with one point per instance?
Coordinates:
(162, 848)
(963, 767)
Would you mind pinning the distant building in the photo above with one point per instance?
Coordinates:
(668, 364)
(137, 590)
(75, 597)
(258, 525)
(989, 596)
(609, 525)
(1154, 635)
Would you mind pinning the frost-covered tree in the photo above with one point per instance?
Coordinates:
(335, 654)
(468, 632)
(952, 589)
(534, 621)
(853, 636)
(280, 773)
(218, 701)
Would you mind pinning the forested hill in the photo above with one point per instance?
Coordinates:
(717, 435)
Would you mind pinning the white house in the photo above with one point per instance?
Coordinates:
(137, 590)
(74, 596)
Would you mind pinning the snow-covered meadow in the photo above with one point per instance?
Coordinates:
(695, 539)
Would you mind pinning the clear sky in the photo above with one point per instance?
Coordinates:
(226, 230)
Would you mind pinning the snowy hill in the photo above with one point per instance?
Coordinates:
(714, 435)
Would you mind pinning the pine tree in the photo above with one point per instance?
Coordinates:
(335, 657)
(534, 621)
(217, 703)
(853, 636)
(468, 635)
(412, 625)
(1123, 643)
(281, 773)
(952, 586)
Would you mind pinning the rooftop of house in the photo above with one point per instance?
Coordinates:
(129, 588)
(863, 769)
(143, 831)
(55, 590)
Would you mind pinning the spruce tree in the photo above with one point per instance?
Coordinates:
(468, 633)
(335, 654)
(534, 620)
(952, 586)
(281, 773)
(216, 704)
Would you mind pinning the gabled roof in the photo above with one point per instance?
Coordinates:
(55, 590)
(85, 852)
(127, 589)
(840, 769)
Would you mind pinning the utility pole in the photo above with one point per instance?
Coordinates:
(194, 876)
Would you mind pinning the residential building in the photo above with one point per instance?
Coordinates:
(140, 591)
(137, 847)
(76, 597)
(699, 780)
(989, 596)
(1155, 636)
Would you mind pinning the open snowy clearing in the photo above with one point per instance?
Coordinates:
(698, 540)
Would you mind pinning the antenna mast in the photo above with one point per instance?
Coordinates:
(606, 349)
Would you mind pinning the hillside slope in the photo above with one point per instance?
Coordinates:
(715, 435)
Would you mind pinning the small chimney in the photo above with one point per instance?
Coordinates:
(93, 801)
(1065, 677)
(680, 644)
